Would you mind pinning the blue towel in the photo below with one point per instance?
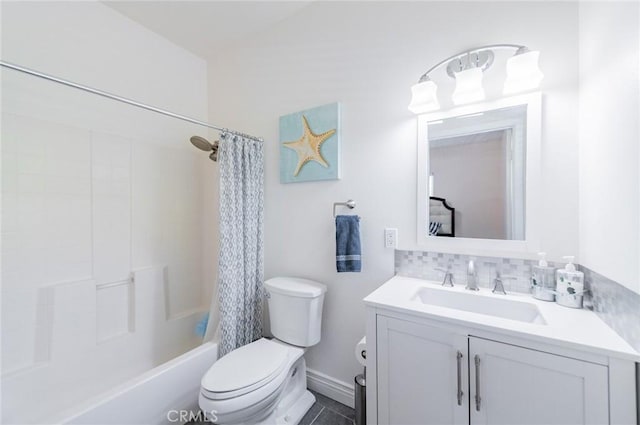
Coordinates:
(348, 243)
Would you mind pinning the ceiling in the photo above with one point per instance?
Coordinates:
(202, 26)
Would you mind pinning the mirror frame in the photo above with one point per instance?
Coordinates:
(533, 183)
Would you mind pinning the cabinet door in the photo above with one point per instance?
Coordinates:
(520, 386)
(421, 370)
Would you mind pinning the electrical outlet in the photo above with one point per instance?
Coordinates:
(390, 238)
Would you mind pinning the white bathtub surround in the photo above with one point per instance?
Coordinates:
(89, 287)
(73, 346)
(102, 230)
(241, 258)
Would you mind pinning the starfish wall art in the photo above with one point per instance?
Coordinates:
(310, 145)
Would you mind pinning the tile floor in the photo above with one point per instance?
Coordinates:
(328, 412)
(325, 411)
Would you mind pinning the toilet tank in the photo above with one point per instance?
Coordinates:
(295, 309)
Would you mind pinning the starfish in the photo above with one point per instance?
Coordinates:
(308, 146)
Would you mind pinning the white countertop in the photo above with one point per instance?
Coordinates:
(571, 328)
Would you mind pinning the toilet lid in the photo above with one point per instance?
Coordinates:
(259, 361)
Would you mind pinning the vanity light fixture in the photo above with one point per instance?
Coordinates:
(523, 74)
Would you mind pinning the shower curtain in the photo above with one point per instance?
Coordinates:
(240, 262)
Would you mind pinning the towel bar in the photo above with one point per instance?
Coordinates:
(351, 204)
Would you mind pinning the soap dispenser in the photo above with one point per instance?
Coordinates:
(569, 285)
(543, 280)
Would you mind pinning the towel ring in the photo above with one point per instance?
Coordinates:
(351, 204)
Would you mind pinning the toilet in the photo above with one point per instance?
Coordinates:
(265, 382)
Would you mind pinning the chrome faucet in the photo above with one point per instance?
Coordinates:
(472, 277)
(448, 276)
(498, 286)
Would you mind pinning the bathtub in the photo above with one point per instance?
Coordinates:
(165, 394)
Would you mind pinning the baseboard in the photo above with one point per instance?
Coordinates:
(333, 388)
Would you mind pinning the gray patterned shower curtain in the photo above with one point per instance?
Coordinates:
(240, 262)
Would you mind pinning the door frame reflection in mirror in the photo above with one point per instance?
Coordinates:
(533, 190)
(473, 139)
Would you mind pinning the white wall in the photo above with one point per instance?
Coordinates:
(367, 56)
(93, 193)
(609, 135)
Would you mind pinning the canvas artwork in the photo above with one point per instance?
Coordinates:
(310, 145)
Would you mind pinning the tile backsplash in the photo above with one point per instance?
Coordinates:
(423, 265)
(616, 305)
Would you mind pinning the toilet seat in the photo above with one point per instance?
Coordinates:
(246, 369)
(249, 380)
(248, 408)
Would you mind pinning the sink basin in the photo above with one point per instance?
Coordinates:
(475, 303)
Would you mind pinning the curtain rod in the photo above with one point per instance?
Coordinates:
(120, 99)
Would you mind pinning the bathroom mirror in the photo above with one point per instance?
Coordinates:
(479, 172)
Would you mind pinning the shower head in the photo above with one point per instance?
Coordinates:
(204, 145)
(201, 143)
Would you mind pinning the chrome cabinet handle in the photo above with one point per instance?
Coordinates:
(477, 397)
(460, 393)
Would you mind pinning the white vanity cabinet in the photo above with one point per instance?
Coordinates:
(440, 355)
(430, 375)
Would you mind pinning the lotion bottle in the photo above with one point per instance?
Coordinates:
(569, 285)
